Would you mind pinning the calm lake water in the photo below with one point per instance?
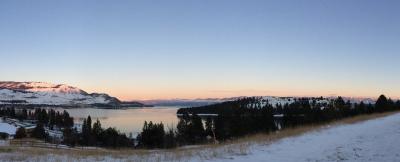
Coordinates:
(127, 120)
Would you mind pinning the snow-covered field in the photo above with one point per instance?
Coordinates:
(375, 140)
(7, 128)
(372, 140)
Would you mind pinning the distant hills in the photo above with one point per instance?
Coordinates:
(262, 101)
(210, 101)
(186, 102)
(47, 94)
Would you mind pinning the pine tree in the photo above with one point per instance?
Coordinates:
(20, 133)
(52, 119)
(398, 104)
(68, 121)
(339, 103)
(84, 133)
(39, 132)
(97, 128)
(362, 108)
(70, 136)
(170, 140)
(96, 131)
(182, 128)
(390, 105)
(87, 131)
(89, 124)
(381, 104)
(152, 135)
(197, 129)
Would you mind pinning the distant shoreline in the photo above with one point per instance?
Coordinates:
(33, 106)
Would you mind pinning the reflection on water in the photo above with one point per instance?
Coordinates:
(127, 120)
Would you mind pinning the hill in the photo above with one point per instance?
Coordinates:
(47, 94)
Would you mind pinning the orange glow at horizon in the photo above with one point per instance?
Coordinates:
(156, 89)
(201, 94)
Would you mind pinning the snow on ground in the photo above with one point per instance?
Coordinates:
(7, 128)
(374, 140)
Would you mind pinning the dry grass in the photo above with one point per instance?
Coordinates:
(239, 147)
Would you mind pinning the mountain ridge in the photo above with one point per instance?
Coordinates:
(43, 93)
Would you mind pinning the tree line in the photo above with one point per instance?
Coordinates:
(50, 117)
(249, 115)
(89, 135)
(42, 117)
(95, 135)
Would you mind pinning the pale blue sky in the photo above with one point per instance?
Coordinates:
(208, 48)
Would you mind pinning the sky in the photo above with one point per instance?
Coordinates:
(203, 49)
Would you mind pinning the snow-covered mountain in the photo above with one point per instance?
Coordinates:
(40, 93)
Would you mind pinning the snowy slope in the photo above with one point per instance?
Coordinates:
(355, 142)
(49, 94)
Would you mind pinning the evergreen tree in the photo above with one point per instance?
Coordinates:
(197, 129)
(362, 108)
(222, 127)
(24, 114)
(87, 131)
(68, 121)
(381, 104)
(70, 136)
(39, 132)
(96, 131)
(89, 124)
(182, 128)
(52, 119)
(112, 138)
(97, 128)
(398, 104)
(190, 129)
(20, 133)
(390, 105)
(152, 135)
(84, 134)
(170, 140)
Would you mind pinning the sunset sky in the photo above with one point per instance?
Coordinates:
(206, 48)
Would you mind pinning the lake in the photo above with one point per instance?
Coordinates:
(126, 120)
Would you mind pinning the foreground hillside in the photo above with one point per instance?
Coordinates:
(347, 140)
(374, 140)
